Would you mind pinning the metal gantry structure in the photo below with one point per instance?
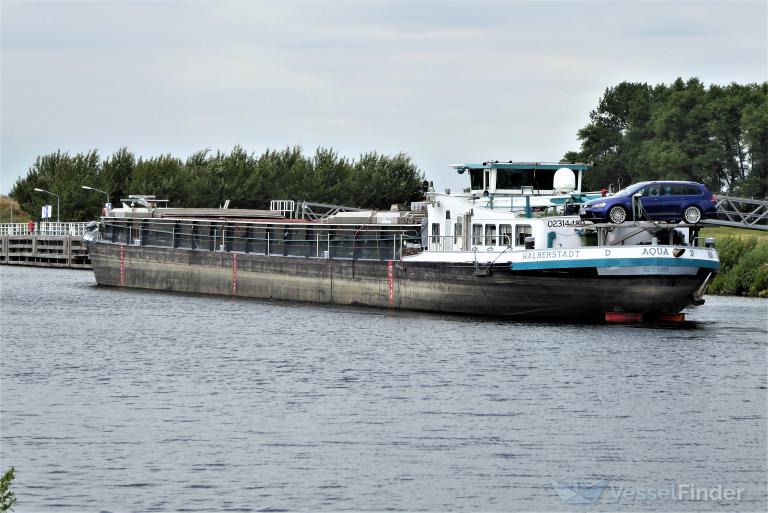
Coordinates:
(740, 213)
(315, 211)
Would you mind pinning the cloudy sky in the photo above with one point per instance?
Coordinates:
(443, 81)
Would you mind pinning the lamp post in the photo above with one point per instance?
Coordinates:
(58, 201)
(97, 190)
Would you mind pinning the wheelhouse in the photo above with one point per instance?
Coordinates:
(533, 178)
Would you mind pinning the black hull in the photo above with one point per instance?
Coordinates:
(414, 286)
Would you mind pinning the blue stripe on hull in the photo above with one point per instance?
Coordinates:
(615, 262)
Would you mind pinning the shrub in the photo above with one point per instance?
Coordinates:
(7, 497)
(743, 267)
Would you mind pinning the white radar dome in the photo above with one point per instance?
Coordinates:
(564, 180)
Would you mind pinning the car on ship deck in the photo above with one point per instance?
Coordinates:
(659, 201)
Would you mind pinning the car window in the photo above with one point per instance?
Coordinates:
(672, 189)
(651, 190)
(692, 190)
(630, 190)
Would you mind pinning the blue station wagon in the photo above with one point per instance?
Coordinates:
(663, 201)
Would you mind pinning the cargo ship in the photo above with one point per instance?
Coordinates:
(509, 245)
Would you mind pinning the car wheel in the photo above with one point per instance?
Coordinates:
(692, 215)
(617, 214)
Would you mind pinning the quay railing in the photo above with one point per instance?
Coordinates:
(44, 245)
(44, 229)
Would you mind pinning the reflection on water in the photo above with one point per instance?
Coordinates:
(138, 401)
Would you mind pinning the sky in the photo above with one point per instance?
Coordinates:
(445, 82)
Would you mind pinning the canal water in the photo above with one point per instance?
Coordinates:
(121, 401)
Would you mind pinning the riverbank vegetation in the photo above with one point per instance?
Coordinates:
(743, 266)
(7, 496)
(743, 261)
(721, 232)
(207, 179)
(11, 212)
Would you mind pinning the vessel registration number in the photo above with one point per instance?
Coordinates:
(560, 223)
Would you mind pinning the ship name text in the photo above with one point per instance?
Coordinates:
(551, 254)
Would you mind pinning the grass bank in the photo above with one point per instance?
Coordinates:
(721, 232)
(10, 211)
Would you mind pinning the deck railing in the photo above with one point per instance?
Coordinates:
(309, 240)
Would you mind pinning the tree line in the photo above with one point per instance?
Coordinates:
(716, 135)
(207, 179)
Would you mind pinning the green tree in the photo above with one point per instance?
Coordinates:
(200, 184)
(609, 139)
(115, 176)
(682, 131)
(63, 175)
(754, 123)
(380, 181)
(162, 177)
(330, 177)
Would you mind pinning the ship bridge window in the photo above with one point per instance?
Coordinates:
(513, 178)
(490, 234)
(540, 179)
(477, 234)
(476, 179)
(521, 232)
(505, 234)
(435, 232)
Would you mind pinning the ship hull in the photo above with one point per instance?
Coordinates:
(425, 286)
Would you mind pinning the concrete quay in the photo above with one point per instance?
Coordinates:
(44, 245)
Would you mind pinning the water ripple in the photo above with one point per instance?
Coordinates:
(121, 401)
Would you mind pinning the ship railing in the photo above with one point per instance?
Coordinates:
(44, 229)
(285, 207)
(311, 240)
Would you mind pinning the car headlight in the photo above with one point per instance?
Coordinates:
(597, 205)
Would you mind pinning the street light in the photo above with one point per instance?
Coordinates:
(97, 190)
(58, 201)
